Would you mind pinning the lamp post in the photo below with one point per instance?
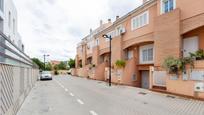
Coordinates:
(110, 38)
(45, 55)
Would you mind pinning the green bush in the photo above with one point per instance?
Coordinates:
(120, 63)
(56, 72)
(198, 55)
(174, 65)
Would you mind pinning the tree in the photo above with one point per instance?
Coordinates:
(71, 63)
(38, 62)
(62, 66)
(48, 67)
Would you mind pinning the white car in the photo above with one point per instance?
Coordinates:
(46, 75)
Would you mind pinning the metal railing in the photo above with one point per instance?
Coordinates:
(17, 76)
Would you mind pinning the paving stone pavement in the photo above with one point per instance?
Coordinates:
(67, 95)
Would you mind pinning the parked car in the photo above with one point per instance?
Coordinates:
(46, 75)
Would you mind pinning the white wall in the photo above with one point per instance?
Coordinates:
(10, 31)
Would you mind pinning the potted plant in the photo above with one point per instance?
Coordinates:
(198, 55)
(92, 66)
(120, 64)
(187, 61)
(172, 65)
(80, 65)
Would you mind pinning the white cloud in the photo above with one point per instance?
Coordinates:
(56, 26)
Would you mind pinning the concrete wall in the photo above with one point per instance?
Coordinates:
(129, 70)
(100, 71)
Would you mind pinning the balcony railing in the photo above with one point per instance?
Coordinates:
(10, 54)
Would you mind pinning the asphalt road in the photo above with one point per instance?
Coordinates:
(66, 95)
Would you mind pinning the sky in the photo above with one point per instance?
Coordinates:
(55, 27)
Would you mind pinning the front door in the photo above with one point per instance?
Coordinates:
(145, 79)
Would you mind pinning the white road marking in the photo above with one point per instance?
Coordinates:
(61, 85)
(66, 89)
(93, 113)
(71, 94)
(80, 101)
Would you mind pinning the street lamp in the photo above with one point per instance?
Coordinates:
(45, 55)
(110, 38)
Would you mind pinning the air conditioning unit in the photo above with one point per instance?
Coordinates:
(199, 87)
(122, 31)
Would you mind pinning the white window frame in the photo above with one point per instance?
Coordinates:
(162, 6)
(146, 47)
(138, 21)
(97, 42)
(118, 30)
(194, 39)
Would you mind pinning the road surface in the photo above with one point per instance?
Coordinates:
(67, 95)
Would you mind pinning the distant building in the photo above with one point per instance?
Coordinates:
(54, 62)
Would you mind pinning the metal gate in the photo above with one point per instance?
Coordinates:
(17, 76)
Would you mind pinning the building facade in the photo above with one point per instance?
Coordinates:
(8, 22)
(144, 38)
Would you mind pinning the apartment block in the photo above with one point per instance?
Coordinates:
(8, 22)
(144, 38)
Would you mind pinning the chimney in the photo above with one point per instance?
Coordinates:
(101, 22)
(117, 17)
(91, 31)
(109, 20)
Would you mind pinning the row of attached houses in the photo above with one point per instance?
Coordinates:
(144, 38)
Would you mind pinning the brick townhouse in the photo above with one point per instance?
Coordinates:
(144, 38)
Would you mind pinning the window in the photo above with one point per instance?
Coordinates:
(129, 54)
(119, 30)
(146, 54)
(167, 5)
(14, 26)
(2, 5)
(190, 45)
(97, 42)
(9, 19)
(140, 20)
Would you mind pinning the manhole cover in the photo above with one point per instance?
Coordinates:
(142, 93)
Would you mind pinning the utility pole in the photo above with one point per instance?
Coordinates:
(44, 56)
